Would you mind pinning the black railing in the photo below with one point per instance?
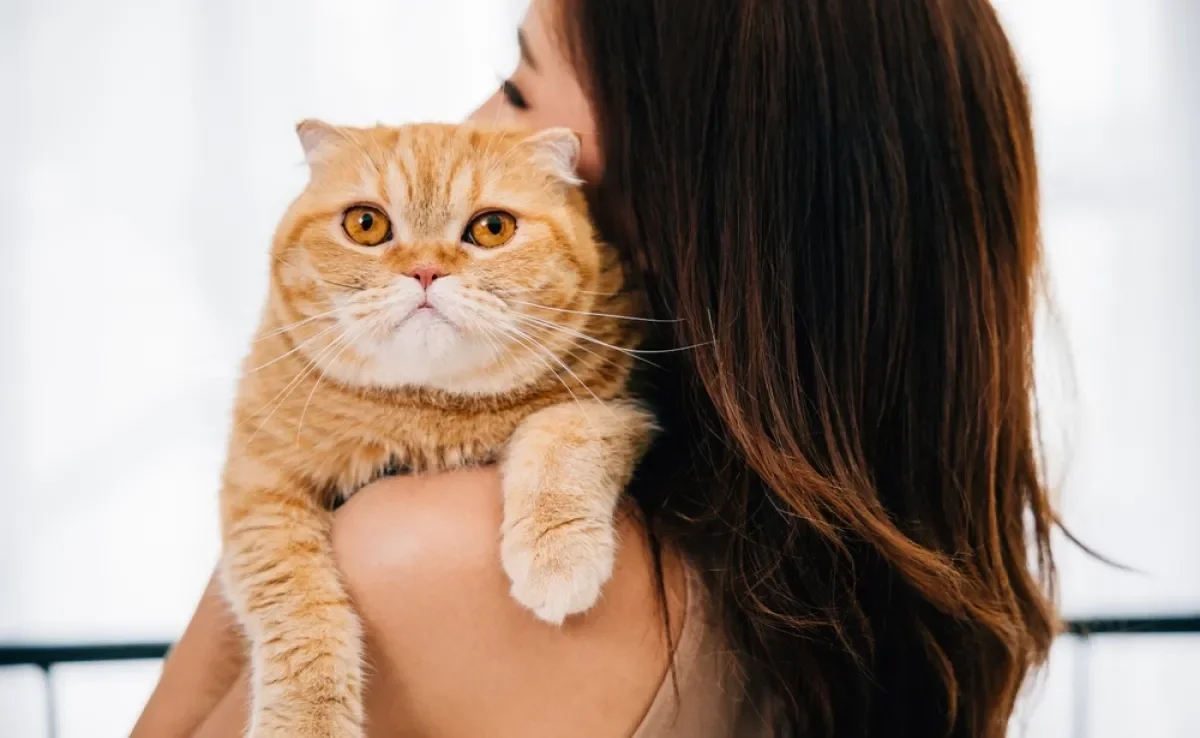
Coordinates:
(46, 657)
(1157, 625)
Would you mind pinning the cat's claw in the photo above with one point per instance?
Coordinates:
(559, 571)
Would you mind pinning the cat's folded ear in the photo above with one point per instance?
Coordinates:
(318, 140)
(557, 150)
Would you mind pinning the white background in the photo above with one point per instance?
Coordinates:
(146, 152)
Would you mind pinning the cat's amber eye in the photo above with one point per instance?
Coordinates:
(491, 229)
(367, 226)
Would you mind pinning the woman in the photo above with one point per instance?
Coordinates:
(835, 201)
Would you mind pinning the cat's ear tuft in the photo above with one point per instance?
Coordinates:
(317, 138)
(557, 149)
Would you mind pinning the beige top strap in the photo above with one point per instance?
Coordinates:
(710, 701)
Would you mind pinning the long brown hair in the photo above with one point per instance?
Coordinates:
(837, 202)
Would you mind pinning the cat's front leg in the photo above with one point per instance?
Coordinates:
(563, 474)
(279, 575)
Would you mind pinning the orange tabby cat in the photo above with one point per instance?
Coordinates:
(438, 298)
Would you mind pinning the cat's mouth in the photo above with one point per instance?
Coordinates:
(425, 311)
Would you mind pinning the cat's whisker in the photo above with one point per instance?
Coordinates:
(533, 346)
(600, 356)
(563, 364)
(310, 275)
(298, 347)
(286, 392)
(489, 323)
(487, 331)
(371, 325)
(489, 319)
(301, 322)
(637, 353)
(489, 336)
(551, 288)
(541, 290)
(470, 315)
(300, 377)
(547, 325)
(501, 348)
(530, 342)
(583, 338)
(385, 303)
(594, 315)
(316, 384)
(355, 287)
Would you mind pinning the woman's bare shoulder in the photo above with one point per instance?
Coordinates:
(451, 654)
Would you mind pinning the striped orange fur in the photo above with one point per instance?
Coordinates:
(426, 351)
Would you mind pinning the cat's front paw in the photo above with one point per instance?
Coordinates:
(557, 568)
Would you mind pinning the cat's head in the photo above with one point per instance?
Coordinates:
(446, 257)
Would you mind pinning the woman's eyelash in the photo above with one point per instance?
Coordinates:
(513, 95)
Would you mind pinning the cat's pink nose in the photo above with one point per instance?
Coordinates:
(426, 275)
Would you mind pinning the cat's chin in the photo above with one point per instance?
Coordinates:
(427, 350)
(425, 374)
(423, 337)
